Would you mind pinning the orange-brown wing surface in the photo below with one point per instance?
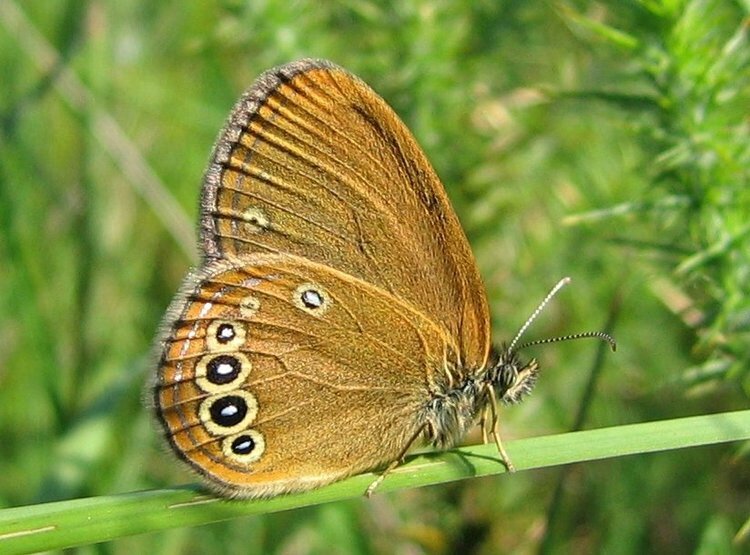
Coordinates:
(282, 375)
(315, 164)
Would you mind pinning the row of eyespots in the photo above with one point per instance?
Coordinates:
(229, 410)
(224, 368)
(226, 335)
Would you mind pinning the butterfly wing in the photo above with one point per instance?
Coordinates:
(282, 374)
(313, 163)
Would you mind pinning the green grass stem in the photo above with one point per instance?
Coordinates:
(83, 521)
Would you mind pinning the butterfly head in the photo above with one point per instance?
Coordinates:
(511, 377)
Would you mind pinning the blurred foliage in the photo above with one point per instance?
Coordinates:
(603, 140)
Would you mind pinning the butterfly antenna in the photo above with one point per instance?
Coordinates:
(595, 334)
(559, 285)
(589, 334)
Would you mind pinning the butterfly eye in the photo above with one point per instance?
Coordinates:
(312, 299)
(245, 447)
(227, 414)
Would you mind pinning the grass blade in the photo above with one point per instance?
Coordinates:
(82, 521)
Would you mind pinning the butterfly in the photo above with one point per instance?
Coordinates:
(338, 316)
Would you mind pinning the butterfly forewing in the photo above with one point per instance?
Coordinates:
(281, 374)
(313, 163)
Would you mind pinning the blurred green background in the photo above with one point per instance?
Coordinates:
(603, 140)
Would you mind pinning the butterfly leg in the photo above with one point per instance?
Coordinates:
(483, 424)
(400, 459)
(496, 431)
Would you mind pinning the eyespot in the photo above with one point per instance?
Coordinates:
(228, 411)
(245, 447)
(223, 372)
(257, 219)
(225, 335)
(312, 298)
(227, 414)
(249, 306)
(222, 369)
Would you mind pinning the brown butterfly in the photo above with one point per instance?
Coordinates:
(338, 315)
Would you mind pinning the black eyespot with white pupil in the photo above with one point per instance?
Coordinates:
(223, 369)
(225, 333)
(228, 411)
(243, 445)
(311, 298)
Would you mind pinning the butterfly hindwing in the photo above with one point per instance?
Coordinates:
(281, 374)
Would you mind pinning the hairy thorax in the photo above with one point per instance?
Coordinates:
(452, 411)
(465, 395)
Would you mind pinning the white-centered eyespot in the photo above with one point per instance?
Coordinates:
(245, 447)
(225, 335)
(224, 414)
(215, 373)
(311, 298)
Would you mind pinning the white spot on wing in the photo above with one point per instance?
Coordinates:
(205, 310)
